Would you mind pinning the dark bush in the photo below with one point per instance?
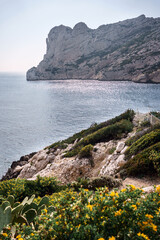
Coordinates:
(145, 141)
(128, 115)
(21, 188)
(142, 163)
(138, 135)
(96, 182)
(108, 133)
(86, 151)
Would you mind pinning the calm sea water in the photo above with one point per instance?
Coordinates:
(36, 114)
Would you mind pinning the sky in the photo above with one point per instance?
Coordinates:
(25, 24)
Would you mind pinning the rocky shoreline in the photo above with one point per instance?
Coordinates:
(107, 157)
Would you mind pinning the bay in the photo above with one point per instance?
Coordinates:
(38, 113)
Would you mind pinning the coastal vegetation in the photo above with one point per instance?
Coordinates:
(94, 208)
(127, 214)
(111, 129)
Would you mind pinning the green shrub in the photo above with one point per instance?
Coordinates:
(155, 158)
(141, 163)
(145, 141)
(111, 150)
(86, 151)
(21, 188)
(128, 214)
(41, 186)
(145, 123)
(113, 131)
(138, 135)
(12, 187)
(95, 182)
(128, 115)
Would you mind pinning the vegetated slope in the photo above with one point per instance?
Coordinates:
(127, 50)
(143, 155)
(111, 129)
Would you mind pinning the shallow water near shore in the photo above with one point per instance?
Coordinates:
(36, 114)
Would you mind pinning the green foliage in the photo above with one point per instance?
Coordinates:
(138, 135)
(41, 186)
(128, 115)
(113, 131)
(95, 182)
(129, 214)
(22, 213)
(21, 188)
(155, 158)
(142, 163)
(111, 150)
(5, 216)
(145, 123)
(145, 141)
(86, 151)
(12, 187)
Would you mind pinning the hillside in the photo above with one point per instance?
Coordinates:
(125, 146)
(91, 164)
(127, 50)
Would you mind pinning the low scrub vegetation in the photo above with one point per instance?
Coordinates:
(21, 188)
(142, 163)
(87, 215)
(128, 115)
(144, 142)
(108, 133)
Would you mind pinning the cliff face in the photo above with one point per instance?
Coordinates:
(127, 50)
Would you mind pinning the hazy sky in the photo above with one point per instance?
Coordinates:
(25, 24)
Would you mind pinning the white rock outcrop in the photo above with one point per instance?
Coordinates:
(117, 51)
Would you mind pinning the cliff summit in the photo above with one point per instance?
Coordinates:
(127, 50)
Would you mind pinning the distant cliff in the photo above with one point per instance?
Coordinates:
(127, 50)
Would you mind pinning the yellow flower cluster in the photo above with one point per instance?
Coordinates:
(112, 238)
(118, 213)
(158, 188)
(143, 235)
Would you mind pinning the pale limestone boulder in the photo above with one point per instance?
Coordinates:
(120, 147)
(124, 149)
(18, 169)
(149, 189)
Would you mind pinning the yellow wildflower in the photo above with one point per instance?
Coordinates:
(101, 239)
(113, 194)
(20, 239)
(87, 216)
(123, 190)
(32, 234)
(143, 235)
(154, 227)
(18, 236)
(111, 238)
(132, 187)
(135, 207)
(149, 216)
(158, 188)
(90, 207)
(118, 213)
(5, 234)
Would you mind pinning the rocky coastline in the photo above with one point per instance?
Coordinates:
(105, 159)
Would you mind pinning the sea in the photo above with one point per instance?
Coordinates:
(35, 114)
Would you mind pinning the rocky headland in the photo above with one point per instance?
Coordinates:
(99, 152)
(125, 51)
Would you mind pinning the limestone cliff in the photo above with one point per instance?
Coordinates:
(127, 50)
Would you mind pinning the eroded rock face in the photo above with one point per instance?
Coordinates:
(127, 50)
